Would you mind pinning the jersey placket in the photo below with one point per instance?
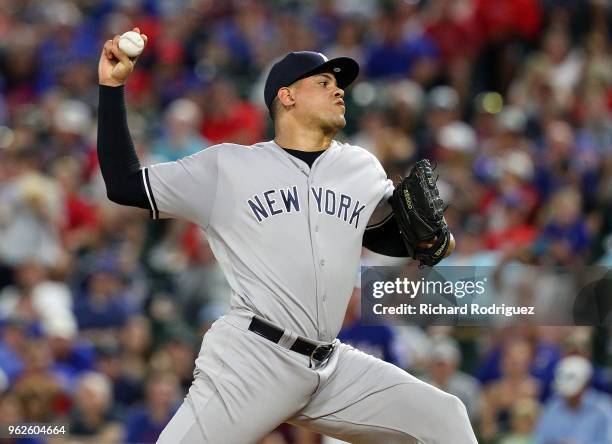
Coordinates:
(314, 224)
(314, 227)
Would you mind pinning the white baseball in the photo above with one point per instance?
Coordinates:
(131, 43)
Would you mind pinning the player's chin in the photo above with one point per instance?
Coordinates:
(339, 121)
(333, 123)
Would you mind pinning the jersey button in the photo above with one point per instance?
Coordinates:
(316, 228)
(324, 297)
(322, 263)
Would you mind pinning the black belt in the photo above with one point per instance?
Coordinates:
(318, 352)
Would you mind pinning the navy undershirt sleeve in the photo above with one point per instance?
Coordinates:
(385, 238)
(118, 160)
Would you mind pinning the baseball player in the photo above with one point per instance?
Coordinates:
(285, 219)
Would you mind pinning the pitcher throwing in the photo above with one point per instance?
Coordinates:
(286, 220)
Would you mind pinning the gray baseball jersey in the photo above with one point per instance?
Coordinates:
(287, 237)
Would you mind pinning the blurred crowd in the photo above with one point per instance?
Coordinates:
(102, 311)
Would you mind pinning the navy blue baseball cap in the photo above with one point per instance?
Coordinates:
(298, 65)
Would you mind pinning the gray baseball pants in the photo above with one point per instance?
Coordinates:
(246, 385)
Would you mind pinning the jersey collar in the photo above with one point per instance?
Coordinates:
(332, 147)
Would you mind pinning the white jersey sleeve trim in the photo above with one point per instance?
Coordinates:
(147, 186)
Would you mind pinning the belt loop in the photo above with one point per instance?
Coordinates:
(287, 339)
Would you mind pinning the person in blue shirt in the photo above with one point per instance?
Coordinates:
(545, 358)
(577, 414)
(103, 304)
(72, 355)
(144, 424)
(180, 136)
(12, 333)
(377, 340)
(398, 52)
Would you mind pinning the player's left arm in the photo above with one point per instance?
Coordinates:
(384, 237)
(383, 234)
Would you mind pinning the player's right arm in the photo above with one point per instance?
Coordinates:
(118, 161)
(185, 188)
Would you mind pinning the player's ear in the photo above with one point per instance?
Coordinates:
(286, 97)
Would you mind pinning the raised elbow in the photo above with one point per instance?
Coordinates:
(115, 195)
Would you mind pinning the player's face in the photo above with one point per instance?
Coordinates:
(319, 101)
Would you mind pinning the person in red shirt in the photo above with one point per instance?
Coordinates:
(230, 119)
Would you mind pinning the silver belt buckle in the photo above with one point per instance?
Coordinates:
(320, 346)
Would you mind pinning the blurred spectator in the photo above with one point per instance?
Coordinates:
(565, 236)
(578, 342)
(35, 298)
(577, 414)
(81, 222)
(172, 77)
(10, 409)
(127, 384)
(377, 340)
(349, 42)
(294, 34)
(397, 54)
(71, 355)
(103, 305)
(136, 342)
(561, 163)
(91, 420)
(523, 419)
(144, 424)
(38, 388)
(544, 354)
(182, 352)
(196, 278)
(557, 67)
(518, 17)
(442, 109)
(455, 150)
(66, 42)
(596, 127)
(180, 137)
(443, 372)
(500, 26)
(389, 143)
(19, 67)
(229, 119)
(509, 205)
(70, 131)
(241, 38)
(13, 343)
(471, 251)
(450, 24)
(31, 213)
(506, 135)
(515, 384)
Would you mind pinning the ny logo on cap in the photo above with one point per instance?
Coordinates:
(324, 57)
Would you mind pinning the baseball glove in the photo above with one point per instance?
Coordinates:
(419, 211)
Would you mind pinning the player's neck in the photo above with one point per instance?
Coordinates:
(303, 139)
